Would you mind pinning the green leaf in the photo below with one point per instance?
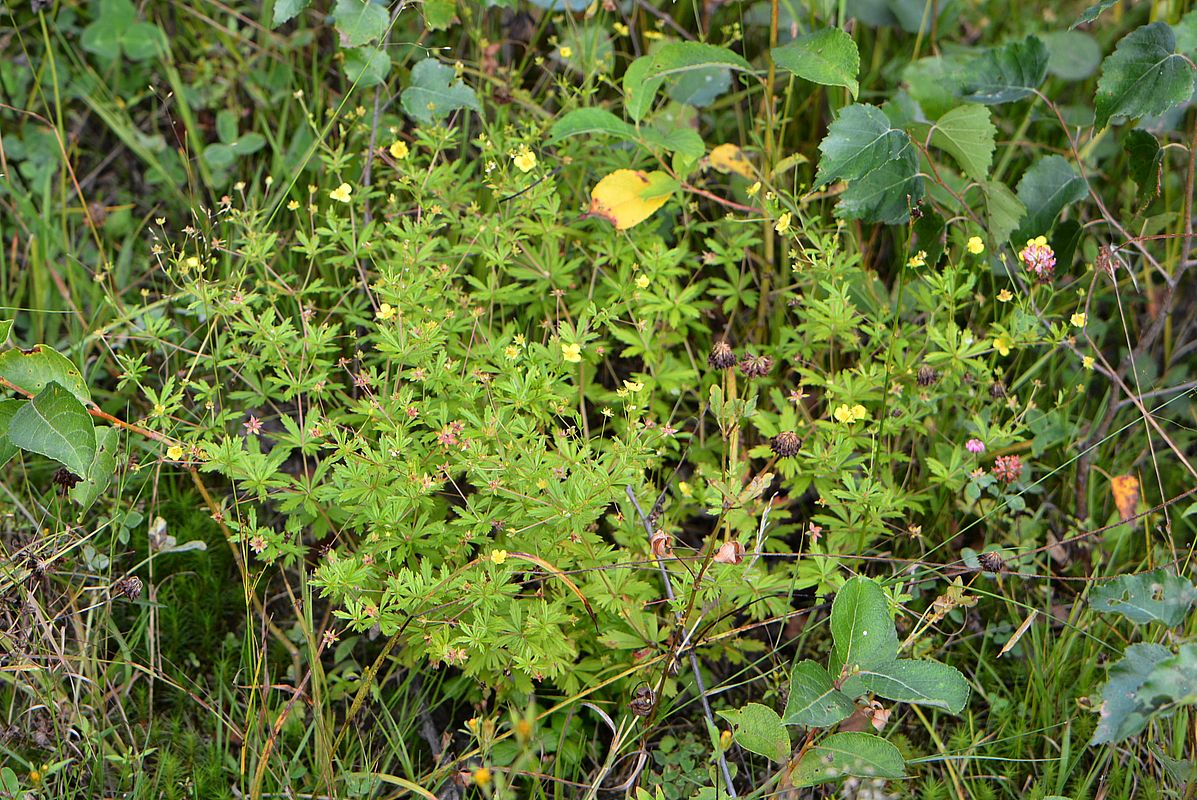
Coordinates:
(859, 141)
(1065, 239)
(1146, 159)
(638, 90)
(1003, 211)
(1045, 189)
(862, 628)
(828, 57)
(1156, 596)
(439, 14)
(7, 409)
(928, 236)
(927, 683)
(935, 82)
(1173, 682)
(1093, 12)
(219, 156)
(813, 700)
(433, 95)
(644, 76)
(360, 21)
(678, 140)
(367, 66)
(886, 194)
(1007, 73)
(862, 755)
(759, 730)
(32, 369)
(1072, 55)
(1186, 33)
(5, 330)
(1143, 76)
(247, 144)
(285, 10)
(589, 122)
(967, 133)
(1122, 714)
(700, 87)
(99, 474)
(143, 40)
(55, 424)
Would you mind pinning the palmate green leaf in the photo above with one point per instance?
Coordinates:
(1145, 158)
(759, 730)
(1045, 189)
(7, 409)
(828, 57)
(360, 21)
(813, 699)
(434, 95)
(923, 682)
(34, 368)
(1145, 75)
(967, 133)
(1156, 596)
(862, 628)
(1122, 713)
(99, 474)
(862, 755)
(590, 122)
(55, 424)
(1007, 73)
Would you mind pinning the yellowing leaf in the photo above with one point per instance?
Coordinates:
(1126, 494)
(729, 158)
(627, 197)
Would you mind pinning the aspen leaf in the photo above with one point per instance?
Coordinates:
(627, 197)
(729, 158)
(1126, 495)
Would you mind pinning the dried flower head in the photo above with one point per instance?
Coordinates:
(722, 356)
(786, 444)
(991, 562)
(730, 553)
(998, 390)
(928, 376)
(661, 545)
(755, 366)
(128, 586)
(1007, 469)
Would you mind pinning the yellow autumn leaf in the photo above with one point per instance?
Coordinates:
(627, 197)
(730, 158)
(1126, 495)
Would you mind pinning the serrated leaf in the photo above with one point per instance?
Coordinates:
(813, 699)
(1156, 596)
(367, 66)
(286, 10)
(103, 467)
(34, 368)
(935, 82)
(1145, 160)
(644, 76)
(967, 133)
(590, 122)
(434, 95)
(929, 237)
(1003, 211)
(56, 425)
(860, 140)
(1122, 713)
(828, 57)
(360, 21)
(759, 730)
(923, 682)
(627, 197)
(1093, 12)
(862, 627)
(7, 409)
(886, 194)
(1007, 73)
(1144, 76)
(1045, 189)
(678, 140)
(638, 90)
(439, 14)
(862, 755)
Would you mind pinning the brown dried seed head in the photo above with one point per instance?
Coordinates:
(661, 545)
(997, 390)
(991, 562)
(928, 376)
(755, 366)
(129, 586)
(722, 356)
(786, 444)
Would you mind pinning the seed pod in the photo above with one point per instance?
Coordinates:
(65, 480)
(643, 701)
(722, 356)
(754, 366)
(660, 543)
(991, 562)
(998, 390)
(928, 376)
(786, 444)
(128, 586)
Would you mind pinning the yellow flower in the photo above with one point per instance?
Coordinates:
(1078, 320)
(571, 352)
(685, 489)
(293, 205)
(482, 776)
(511, 351)
(525, 159)
(498, 556)
(754, 188)
(566, 52)
(975, 245)
(1003, 344)
(399, 150)
(385, 311)
(842, 413)
(859, 412)
(633, 386)
(783, 223)
(642, 282)
(1004, 296)
(341, 193)
(520, 339)
(1038, 240)
(174, 452)
(919, 259)
(1087, 362)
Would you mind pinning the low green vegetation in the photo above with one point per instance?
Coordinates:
(552, 399)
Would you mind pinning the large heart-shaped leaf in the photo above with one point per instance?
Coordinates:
(33, 369)
(1045, 189)
(862, 628)
(1144, 75)
(828, 57)
(1122, 712)
(1007, 73)
(55, 424)
(1156, 596)
(103, 466)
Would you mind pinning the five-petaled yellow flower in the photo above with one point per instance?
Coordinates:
(1078, 320)
(975, 245)
(399, 150)
(566, 52)
(919, 259)
(571, 352)
(1003, 344)
(845, 413)
(525, 159)
(1088, 361)
(783, 222)
(385, 311)
(642, 282)
(341, 193)
(1005, 296)
(174, 452)
(498, 556)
